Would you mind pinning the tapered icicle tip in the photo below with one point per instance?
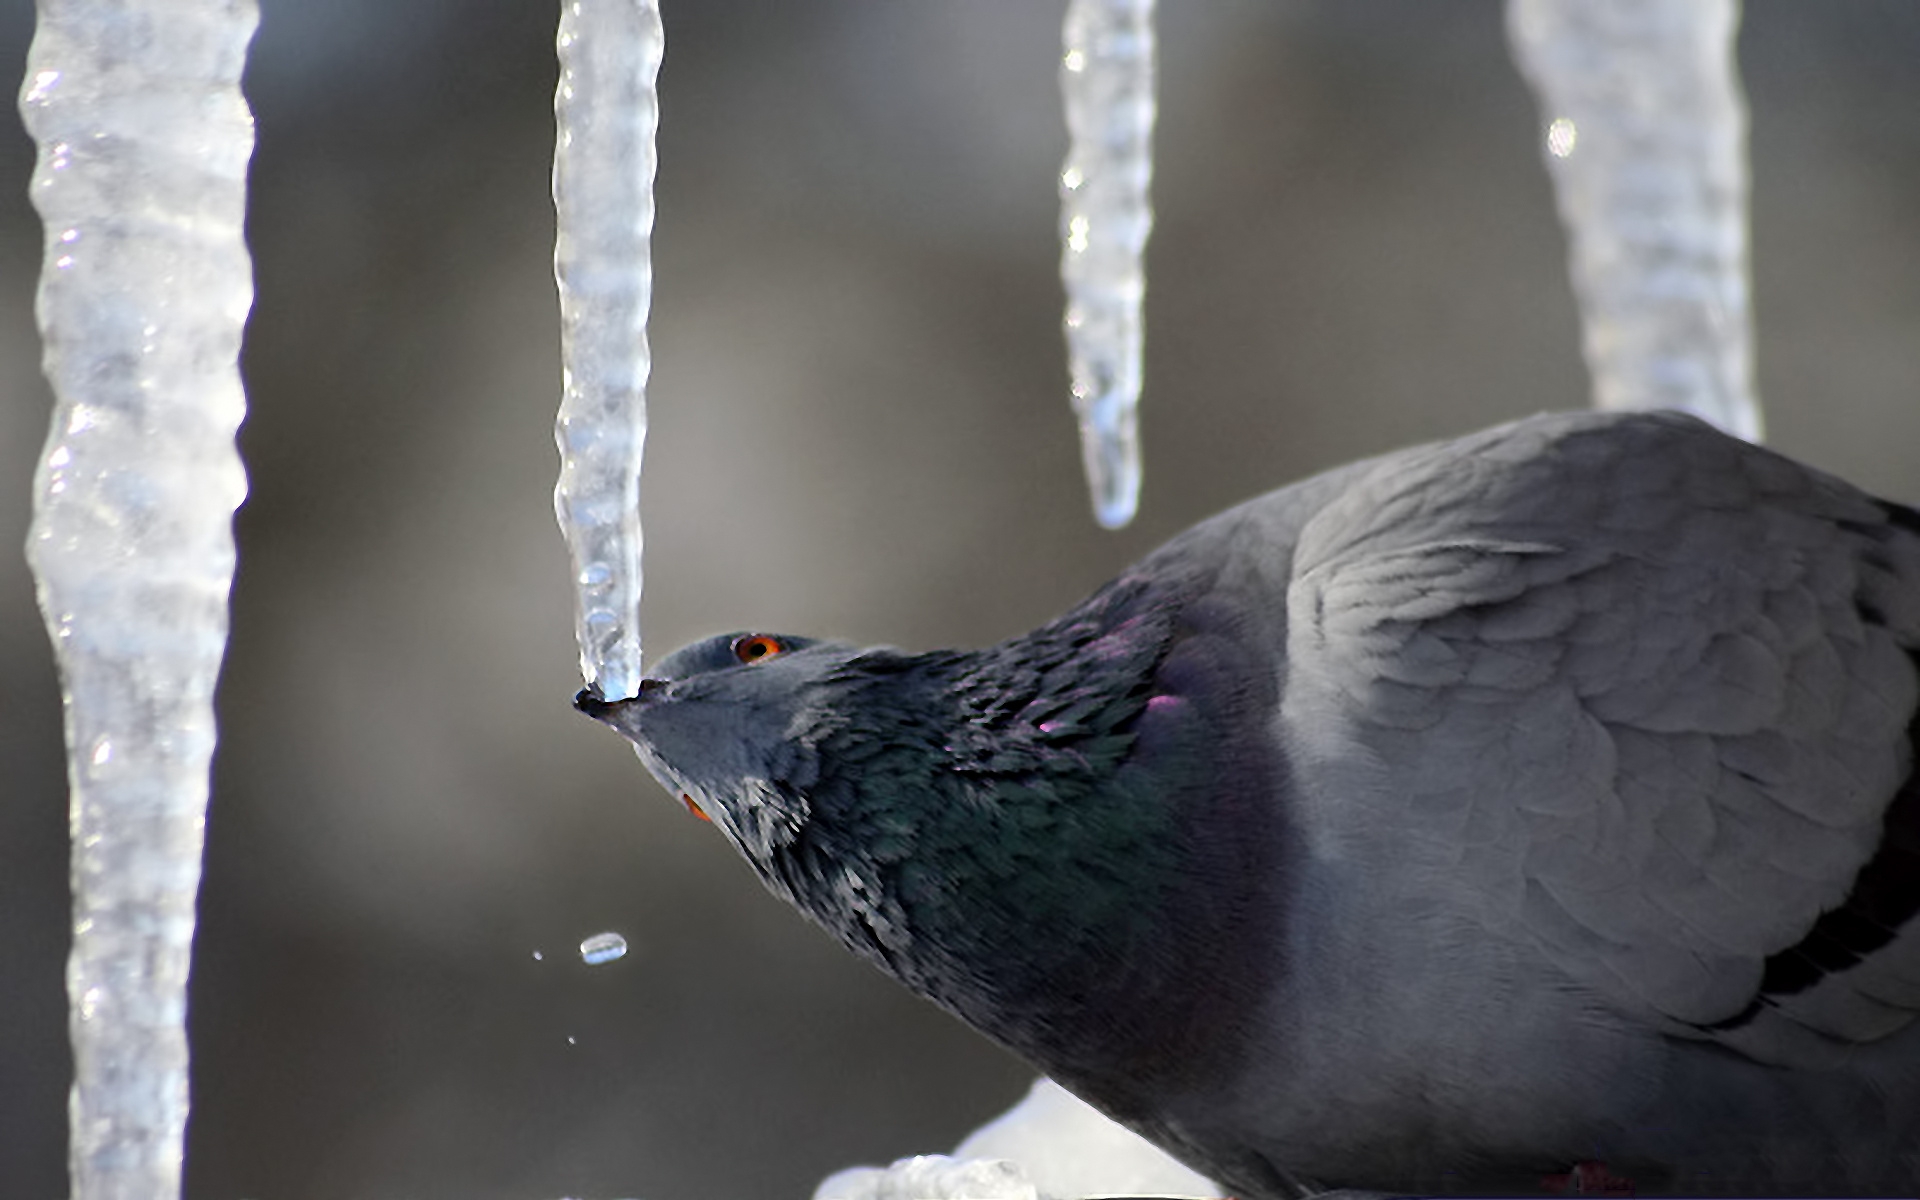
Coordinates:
(1110, 452)
(1107, 85)
(606, 110)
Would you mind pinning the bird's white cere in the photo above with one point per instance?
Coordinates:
(603, 948)
(606, 110)
(1107, 82)
(1646, 143)
(143, 142)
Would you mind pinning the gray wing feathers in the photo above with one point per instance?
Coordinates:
(1635, 692)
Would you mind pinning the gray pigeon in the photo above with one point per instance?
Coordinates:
(1518, 812)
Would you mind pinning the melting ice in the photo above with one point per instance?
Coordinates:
(141, 186)
(606, 111)
(1107, 83)
(1646, 143)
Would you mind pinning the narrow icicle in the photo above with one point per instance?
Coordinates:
(1646, 142)
(143, 140)
(1106, 79)
(603, 167)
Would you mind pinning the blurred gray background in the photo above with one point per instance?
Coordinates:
(859, 429)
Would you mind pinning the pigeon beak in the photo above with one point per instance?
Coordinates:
(591, 702)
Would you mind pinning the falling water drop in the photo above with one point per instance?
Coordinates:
(603, 948)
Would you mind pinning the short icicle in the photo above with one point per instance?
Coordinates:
(1107, 82)
(1646, 142)
(143, 142)
(607, 111)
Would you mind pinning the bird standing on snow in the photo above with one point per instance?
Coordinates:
(1442, 822)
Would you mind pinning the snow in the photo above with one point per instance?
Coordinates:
(1050, 1146)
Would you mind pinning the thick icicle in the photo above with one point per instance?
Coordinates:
(1106, 79)
(603, 166)
(141, 183)
(1646, 142)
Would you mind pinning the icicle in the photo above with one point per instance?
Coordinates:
(141, 184)
(1106, 79)
(1646, 142)
(603, 167)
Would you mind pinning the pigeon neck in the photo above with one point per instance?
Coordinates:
(1062, 837)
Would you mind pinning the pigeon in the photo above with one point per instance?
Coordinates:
(1529, 808)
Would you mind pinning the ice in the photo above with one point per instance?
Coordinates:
(143, 140)
(603, 948)
(1646, 143)
(1107, 82)
(607, 111)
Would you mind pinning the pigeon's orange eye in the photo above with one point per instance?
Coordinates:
(756, 646)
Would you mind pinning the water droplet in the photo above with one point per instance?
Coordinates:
(539, 957)
(603, 948)
(570, 1040)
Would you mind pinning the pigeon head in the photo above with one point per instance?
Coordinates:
(1038, 835)
(714, 723)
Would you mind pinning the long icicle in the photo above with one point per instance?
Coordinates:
(607, 111)
(143, 139)
(1107, 82)
(1646, 142)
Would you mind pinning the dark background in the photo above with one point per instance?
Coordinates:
(859, 428)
